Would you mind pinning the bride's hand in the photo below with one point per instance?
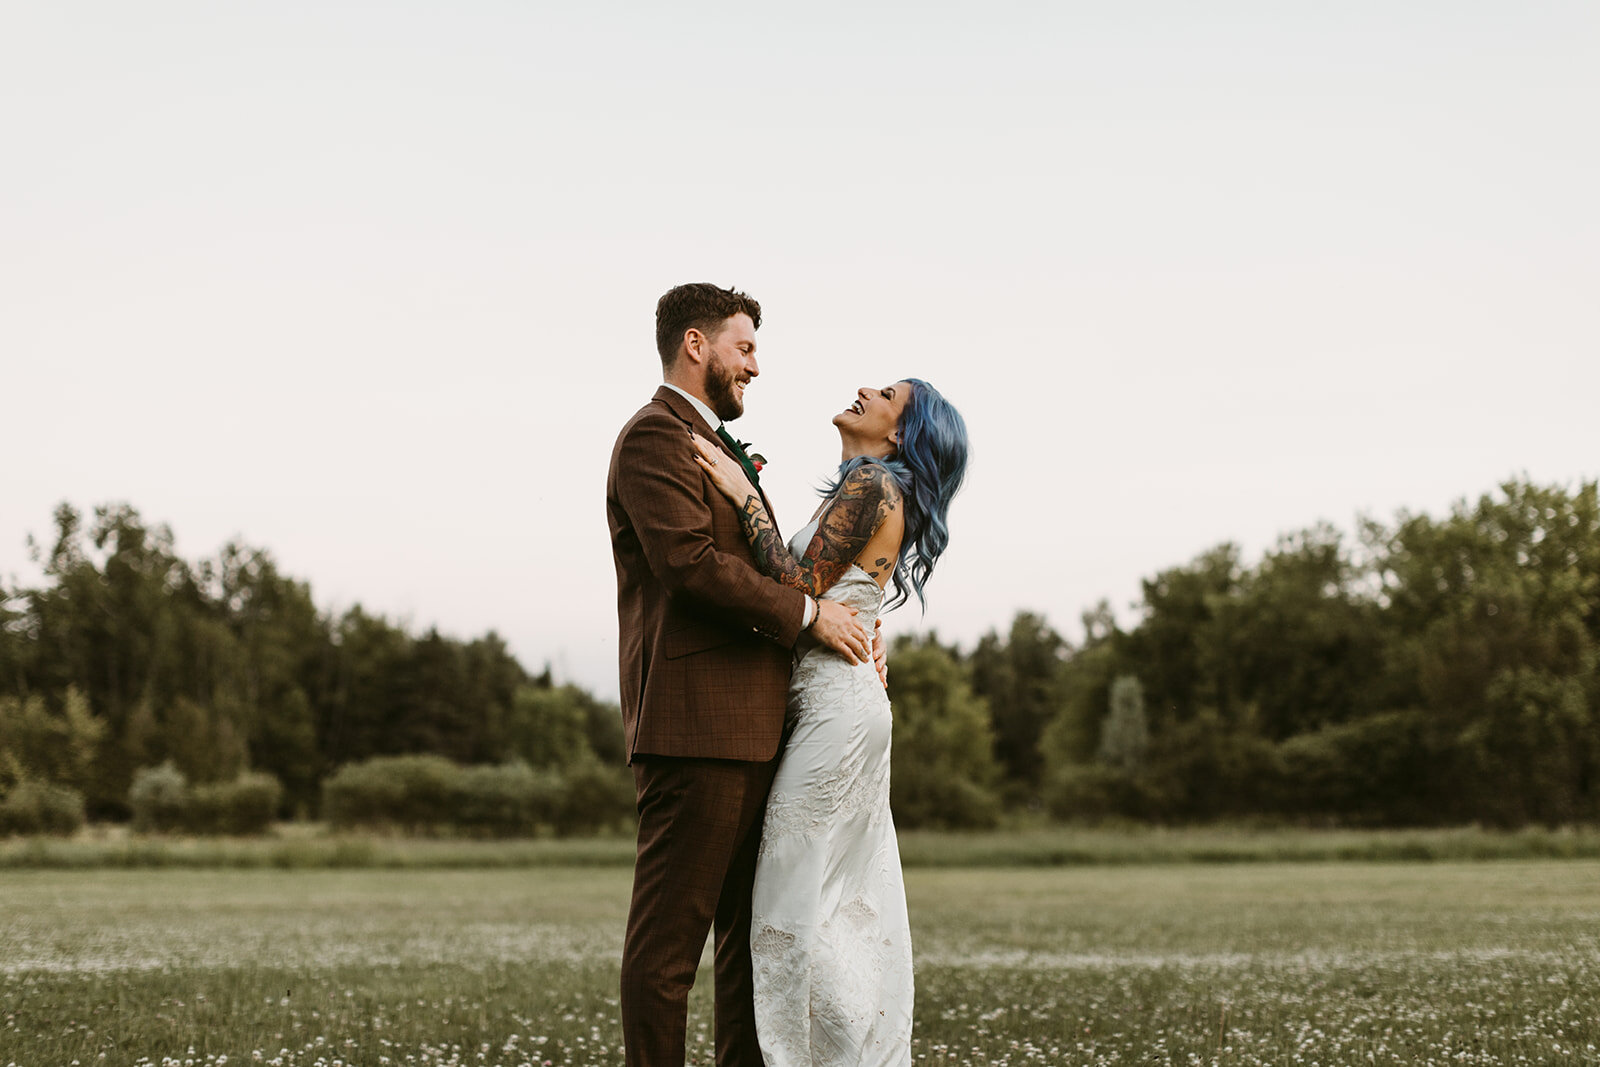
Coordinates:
(725, 471)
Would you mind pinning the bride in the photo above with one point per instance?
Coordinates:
(829, 938)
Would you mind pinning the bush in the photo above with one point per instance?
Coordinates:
(1092, 791)
(1530, 756)
(246, 805)
(501, 801)
(430, 794)
(35, 807)
(925, 799)
(1197, 770)
(1375, 770)
(159, 797)
(1206, 769)
(163, 801)
(594, 797)
(406, 792)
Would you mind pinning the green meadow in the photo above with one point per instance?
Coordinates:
(1175, 963)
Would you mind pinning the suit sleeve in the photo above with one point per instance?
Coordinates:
(663, 492)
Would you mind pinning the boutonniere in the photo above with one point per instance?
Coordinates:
(757, 460)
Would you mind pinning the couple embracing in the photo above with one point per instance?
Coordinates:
(756, 724)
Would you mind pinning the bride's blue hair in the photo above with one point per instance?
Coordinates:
(928, 467)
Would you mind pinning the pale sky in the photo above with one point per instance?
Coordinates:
(372, 285)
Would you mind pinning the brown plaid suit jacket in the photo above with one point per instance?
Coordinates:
(704, 638)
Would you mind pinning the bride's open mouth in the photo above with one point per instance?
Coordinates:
(857, 408)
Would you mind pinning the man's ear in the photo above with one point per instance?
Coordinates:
(695, 344)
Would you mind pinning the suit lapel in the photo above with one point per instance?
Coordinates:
(686, 412)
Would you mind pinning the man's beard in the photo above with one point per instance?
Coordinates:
(719, 390)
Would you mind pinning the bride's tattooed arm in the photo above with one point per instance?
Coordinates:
(866, 498)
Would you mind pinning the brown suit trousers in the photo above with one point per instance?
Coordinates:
(704, 653)
(699, 831)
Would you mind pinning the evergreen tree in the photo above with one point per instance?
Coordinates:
(1124, 737)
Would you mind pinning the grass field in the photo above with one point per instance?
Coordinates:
(1265, 963)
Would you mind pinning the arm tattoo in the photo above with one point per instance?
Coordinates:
(846, 524)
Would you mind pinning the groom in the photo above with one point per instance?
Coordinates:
(705, 648)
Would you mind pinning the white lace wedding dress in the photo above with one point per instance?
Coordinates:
(828, 936)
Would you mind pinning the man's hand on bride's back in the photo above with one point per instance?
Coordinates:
(836, 627)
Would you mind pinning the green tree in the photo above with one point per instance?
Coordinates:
(491, 678)
(367, 684)
(1020, 679)
(550, 726)
(58, 745)
(1184, 659)
(944, 766)
(14, 642)
(283, 644)
(1084, 684)
(1307, 638)
(1494, 617)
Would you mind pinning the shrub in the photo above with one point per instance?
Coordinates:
(159, 797)
(163, 801)
(245, 805)
(1207, 769)
(501, 801)
(928, 799)
(1373, 770)
(408, 792)
(34, 807)
(1093, 791)
(594, 796)
(430, 794)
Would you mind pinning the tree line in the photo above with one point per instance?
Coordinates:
(127, 657)
(1427, 670)
(1431, 670)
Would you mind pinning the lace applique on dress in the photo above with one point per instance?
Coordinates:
(771, 942)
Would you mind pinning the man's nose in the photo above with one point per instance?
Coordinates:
(750, 365)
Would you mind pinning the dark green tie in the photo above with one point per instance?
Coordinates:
(743, 457)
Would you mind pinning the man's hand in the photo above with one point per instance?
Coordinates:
(880, 655)
(836, 627)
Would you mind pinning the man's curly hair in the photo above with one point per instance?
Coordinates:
(697, 306)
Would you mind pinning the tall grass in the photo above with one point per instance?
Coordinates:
(301, 847)
(1067, 847)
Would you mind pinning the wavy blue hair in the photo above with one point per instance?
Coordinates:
(928, 467)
